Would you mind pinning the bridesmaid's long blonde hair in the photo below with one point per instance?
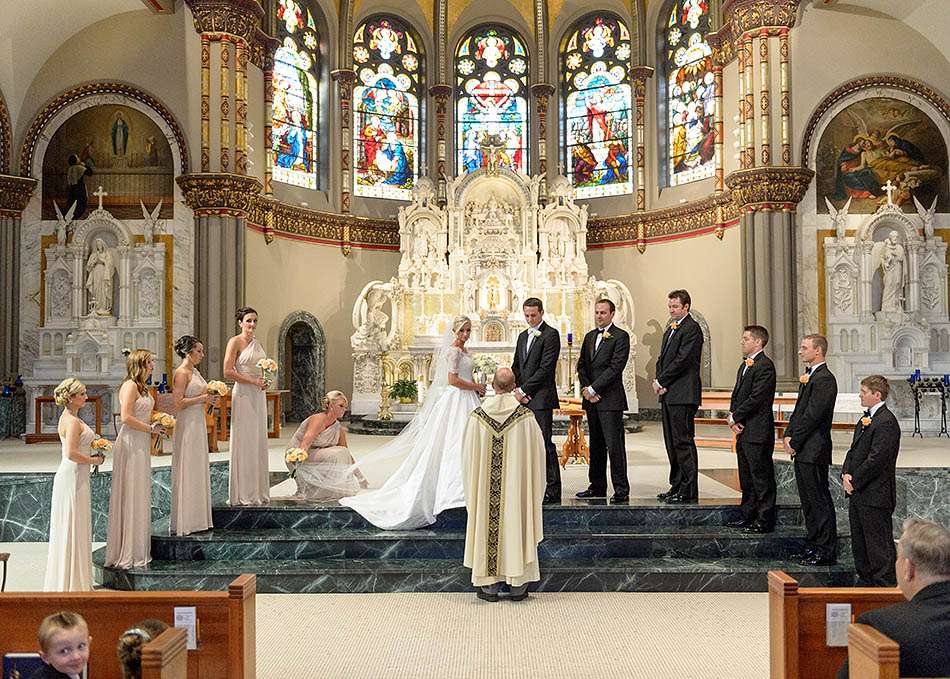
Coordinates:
(136, 369)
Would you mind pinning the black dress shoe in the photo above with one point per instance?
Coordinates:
(591, 494)
(681, 500)
(618, 499)
(663, 496)
(759, 528)
(738, 523)
(551, 500)
(818, 560)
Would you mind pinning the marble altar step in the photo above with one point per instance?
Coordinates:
(370, 426)
(561, 542)
(287, 514)
(444, 575)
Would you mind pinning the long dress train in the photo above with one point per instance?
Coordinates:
(129, 540)
(69, 562)
(191, 475)
(328, 473)
(248, 477)
(430, 478)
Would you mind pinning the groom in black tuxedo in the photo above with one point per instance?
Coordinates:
(534, 365)
(600, 365)
(679, 390)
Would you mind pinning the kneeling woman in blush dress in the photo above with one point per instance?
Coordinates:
(69, 563)
(329, 472)
(129, 541)
(191, 475)
(249, 477)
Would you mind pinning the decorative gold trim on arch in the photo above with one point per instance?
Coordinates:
(6, 137)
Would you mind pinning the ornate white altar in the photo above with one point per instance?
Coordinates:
(887, 309)
(494, 244)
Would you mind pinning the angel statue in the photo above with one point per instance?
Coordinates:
(151, 225)
(927, 216)
(839, 218)
(889, 257)
(369, 319)
(63, 223)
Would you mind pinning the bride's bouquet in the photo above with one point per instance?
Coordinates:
(100, 447)
(216, 388)
(293, 457)
(483, 367)
(168, 423)
(268, 368)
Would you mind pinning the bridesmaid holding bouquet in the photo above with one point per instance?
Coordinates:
(191, 474)
(130, 506)
(248, 479)
(69, 563)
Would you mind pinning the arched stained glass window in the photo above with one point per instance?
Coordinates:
(295, 124)
(690, 89)
(387, 111)
(596, 115)
(491, 83)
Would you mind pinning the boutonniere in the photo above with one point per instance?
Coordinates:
(534, 332)
(865, 421)
(675, 325)
(804, 379)
(749, 362)
(607, 335)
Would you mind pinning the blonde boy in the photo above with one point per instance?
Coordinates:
(64, 646)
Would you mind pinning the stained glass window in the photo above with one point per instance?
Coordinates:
(596, 117)
(690, 89)
(491, 82)
(386, 109)
(295, 113)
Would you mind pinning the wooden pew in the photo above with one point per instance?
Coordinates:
(166, 657)
(226, 625)
(797, 648)
(872, 655)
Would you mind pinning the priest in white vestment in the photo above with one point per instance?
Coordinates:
(504, 479)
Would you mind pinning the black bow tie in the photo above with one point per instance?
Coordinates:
(601, 331)
(808, 370)
(867, 413)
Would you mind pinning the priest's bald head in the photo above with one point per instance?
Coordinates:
(503, 381)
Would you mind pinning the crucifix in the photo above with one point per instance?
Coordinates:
(890, 188)
(101, 194)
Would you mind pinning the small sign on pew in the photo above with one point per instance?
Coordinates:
(837, 619)
(186, 618)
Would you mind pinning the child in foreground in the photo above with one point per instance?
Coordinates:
(64, 646)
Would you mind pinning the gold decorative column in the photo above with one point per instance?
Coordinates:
(225, 106)
(748, 86)
(720, 184)
(240, 107)
(205, 103)
(344, 78)
(268, 122)
(441, 93)
(765, 98)
(740, 81)
(15, 194)
(786, 102)
(542, 94)
(640, 75)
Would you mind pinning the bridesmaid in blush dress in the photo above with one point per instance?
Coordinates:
(69, 563)
(191, 475)
(129, 539)
(248, 477)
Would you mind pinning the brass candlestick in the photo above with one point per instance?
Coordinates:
(385, 412)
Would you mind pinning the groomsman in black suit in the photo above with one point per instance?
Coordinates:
(808, 441)
(600, 365)
(679, 389)
(751, 418)
(869, 478)
(534, 364)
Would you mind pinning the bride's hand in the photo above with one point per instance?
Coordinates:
(480, 389)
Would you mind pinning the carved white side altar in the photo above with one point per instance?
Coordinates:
(495, 243)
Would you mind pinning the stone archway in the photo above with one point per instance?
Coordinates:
(301, 354)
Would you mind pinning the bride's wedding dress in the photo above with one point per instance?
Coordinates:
(429, 480)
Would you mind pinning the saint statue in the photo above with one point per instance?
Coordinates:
(120, 135)
(892, 267)
(101, 269)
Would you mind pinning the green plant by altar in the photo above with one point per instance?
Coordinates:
(405, 390)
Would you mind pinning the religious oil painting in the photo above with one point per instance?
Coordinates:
(597, 124)
(113, 146)
(491, 124)
(879, 140)
(386, 109)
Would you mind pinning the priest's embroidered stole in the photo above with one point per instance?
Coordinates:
(496, 478)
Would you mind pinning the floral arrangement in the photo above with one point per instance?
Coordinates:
(268, 367)
(167, 422)
(293, 457)
(216, 388)
(100, 447)
(485, 364)
(405, 390)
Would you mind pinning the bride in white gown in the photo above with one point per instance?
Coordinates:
(429, 480)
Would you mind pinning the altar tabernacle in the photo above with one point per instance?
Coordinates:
(504, 477)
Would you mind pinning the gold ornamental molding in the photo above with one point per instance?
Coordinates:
(722, 43)
(240, 18)
(751, 15)
(219, 193)
(6, 144)
(273, 218)
(15, 194)
(777, 189)
(712, 214)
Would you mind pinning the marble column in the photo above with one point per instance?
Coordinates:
(542, 95)
(344, 79)
(442, 94)
(640, 75)
(15, 193)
